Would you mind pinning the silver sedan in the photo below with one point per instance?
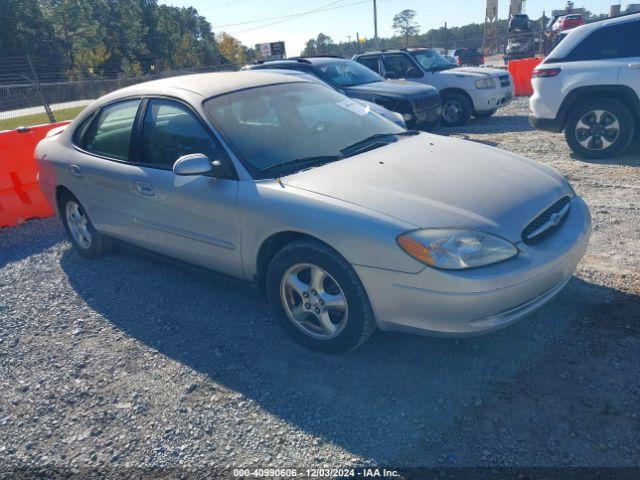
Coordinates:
(347, 221)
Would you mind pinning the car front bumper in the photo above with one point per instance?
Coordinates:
(491, 99)
(475, 301)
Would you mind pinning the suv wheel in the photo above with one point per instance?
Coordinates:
(456, 109)
(317, 297)
(599, 129)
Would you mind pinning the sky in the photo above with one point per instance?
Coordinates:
(345, 18)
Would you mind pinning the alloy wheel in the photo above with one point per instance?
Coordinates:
(314, 301)
(78, 224)
(597, 130)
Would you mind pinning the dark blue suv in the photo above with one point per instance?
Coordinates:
(418, 104)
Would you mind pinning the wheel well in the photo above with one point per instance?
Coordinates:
(446, 91)
(271, 246)
(577, 97)
(61, 190)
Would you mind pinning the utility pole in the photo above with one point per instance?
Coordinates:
(446, 40)
(375, 24)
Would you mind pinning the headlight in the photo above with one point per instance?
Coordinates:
(485, 83)
(455, 249)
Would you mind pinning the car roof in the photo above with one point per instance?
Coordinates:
(319, 60)
(202, 85)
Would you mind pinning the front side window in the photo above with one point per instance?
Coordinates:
(110, 134)
(400, 66)
(347, 73)
(607, 43)
(371, 63)
(282, 124)
(170, 130)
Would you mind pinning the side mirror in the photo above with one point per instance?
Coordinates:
(194, 164)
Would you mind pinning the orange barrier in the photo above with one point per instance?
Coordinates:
(521, 71)
(20, 195)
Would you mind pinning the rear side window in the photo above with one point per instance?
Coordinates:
(400, 66)
(110, 134)
(616, 41)
(370, 62)
(170, 131)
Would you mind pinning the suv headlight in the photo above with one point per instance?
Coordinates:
(454, 249)
(485, 83)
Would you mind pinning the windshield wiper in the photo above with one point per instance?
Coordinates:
(375, 141)
(314, 160)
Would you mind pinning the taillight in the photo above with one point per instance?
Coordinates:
(546, 72)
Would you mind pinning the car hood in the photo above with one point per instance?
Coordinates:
(475, 72)
(434, 181)
(392, 88)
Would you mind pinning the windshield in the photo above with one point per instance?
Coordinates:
(430, 60)
(281, 124)
(347, 73)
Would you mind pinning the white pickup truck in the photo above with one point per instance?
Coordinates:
(464, 91)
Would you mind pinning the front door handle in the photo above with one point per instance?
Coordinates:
(75, 170)
(634, 65)
(144, 188)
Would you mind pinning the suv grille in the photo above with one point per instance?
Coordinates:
(505, 80)
(547, 222)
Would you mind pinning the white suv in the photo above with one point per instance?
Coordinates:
(589, 87)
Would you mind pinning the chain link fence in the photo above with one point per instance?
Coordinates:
(30, 101)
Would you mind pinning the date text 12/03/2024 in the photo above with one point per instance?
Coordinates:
(315, 473)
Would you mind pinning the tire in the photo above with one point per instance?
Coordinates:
(462, 106)
(488, 114)
(343, 328)
(82, 234)
(591, 126)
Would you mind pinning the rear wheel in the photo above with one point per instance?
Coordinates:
(456, 109)
(82, 234)
(318, 298)
(599, 129)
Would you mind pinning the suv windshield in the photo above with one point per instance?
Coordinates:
(430, 60)
(347, 73)
(279, 129)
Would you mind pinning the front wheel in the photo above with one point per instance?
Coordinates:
(599, 129)
(318, 299)
(456, 109)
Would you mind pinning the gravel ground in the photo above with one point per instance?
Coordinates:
(130, 362)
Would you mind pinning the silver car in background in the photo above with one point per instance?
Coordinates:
(347, 221)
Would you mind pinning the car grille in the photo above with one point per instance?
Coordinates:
(426, 102)
(547, 222)
(505, 80)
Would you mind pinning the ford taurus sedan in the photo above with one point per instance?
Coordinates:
(347, 221)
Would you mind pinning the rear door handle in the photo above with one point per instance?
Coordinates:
(75, 170)
(634, 65)
(144, 188)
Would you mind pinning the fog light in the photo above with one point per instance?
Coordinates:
(407, 117)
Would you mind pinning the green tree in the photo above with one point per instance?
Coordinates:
(404, 23)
